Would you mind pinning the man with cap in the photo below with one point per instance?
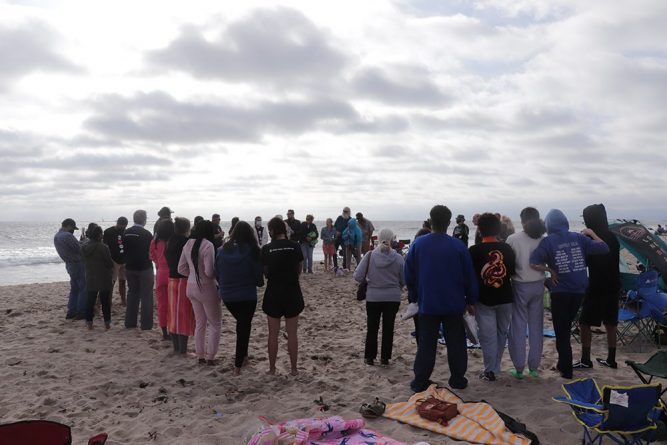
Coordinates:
(69, 250)
(164, 214)
(113, 238)
(461, 231)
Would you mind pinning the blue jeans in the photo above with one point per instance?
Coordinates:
(307, 251)
(78, 297)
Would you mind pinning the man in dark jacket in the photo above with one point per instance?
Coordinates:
(113, 238)
(139, 271)
(604, 284)
(295, 226)
(69, 250)
(340, 225)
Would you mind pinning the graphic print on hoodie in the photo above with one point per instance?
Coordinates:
(566, 252)
(494, 264)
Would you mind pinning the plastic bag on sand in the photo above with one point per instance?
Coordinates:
(471, 328)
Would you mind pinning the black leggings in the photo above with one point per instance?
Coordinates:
(376, 310)
(243, 311)
(105, 300)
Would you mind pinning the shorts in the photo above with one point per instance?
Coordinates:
(282, 305)
(118, 272)
(329, 249)
(600, 308)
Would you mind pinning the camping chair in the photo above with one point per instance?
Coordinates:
(624, 414)
(404, 246)
(641, 311)
(656, 366)
(41, 432)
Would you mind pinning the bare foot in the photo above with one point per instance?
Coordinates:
(245, 362)
(237, 371)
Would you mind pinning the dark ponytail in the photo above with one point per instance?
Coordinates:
(203, 230)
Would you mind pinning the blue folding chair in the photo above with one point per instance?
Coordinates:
(625, 414)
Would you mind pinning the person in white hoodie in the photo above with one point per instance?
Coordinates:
(382, 268)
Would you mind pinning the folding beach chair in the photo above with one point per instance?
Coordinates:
(643, 308)
(656, 366)
(624, 414)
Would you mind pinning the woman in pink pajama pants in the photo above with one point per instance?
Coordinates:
(164, 232)
(198, 264)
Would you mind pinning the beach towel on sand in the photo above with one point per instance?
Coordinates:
(476, 423)
(329, 431)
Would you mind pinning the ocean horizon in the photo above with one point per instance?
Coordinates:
(27, 254)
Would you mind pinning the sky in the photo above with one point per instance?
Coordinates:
(389, 107)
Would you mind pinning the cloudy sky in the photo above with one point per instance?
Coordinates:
(254, 107)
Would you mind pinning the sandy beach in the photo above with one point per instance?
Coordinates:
(124, 383)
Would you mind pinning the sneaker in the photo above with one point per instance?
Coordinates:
(582, 365)
(533, 373)
(516, 374)
(488, 376)
(612, 365)
(410, 311)
(369, 361)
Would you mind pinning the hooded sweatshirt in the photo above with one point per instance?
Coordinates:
(604, 275)
(99, 266)
(352, 236)
(385, 275)
(438, 269)
(238, 274)
(566, 253)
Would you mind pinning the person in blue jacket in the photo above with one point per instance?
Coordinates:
(238, 269)
(563, 254)
(352, 238)
(439, 271)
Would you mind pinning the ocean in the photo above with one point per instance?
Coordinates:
(27, 254)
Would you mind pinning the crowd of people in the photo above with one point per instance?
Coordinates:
(500, 281)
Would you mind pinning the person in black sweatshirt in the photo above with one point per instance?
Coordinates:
(600, 304)
(139, 273)
(113, 238)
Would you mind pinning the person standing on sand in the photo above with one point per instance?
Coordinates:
(294, 225)
(139, 272)
(367, 230)
(494, 264)
(439, 270)
(604, 285)
(382, 268)
(461, 231)
(180, 316)
(528, 288)
(164, 214)
(218, 233)
(113, 238)
(563, 254)
(158, 245)
(308, 241)
(475, 220)
(328, 237)
(352, 237)
(69, 250)
(239, 272)
(282, 260)
(197, 262)
(99, 276)
(262, 232)
(340, 225)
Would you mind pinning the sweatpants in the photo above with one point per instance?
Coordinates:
(493, 322)
(564, 307)
(243, 312)
(105, 301)
(457, 353)
(374, 311)
(206, 306)
(527, 313)
(139, 291)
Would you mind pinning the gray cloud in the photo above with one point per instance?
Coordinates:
(271, 45)
(158, 117)
(396, 88)
(29, 48)
(15, 144)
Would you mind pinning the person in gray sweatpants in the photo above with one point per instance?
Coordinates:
(528, 308)
(494, 265)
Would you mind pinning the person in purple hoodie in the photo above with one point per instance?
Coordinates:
(563, 254)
